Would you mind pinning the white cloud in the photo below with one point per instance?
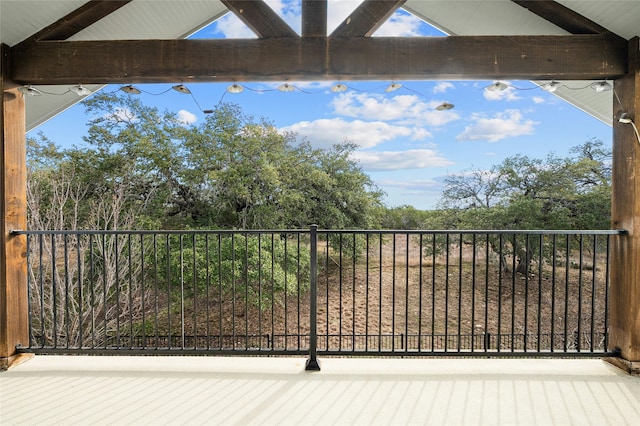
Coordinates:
(400, 25)
(538, 100)
(400, 160)
(366, 134)
(409, 109)
(442, 87)
(509, 123)
(289, 11)
(186, 117)
(232, 27)
(508, 94)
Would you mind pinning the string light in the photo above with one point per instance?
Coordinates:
(286, 87)
(235, 88)
(29, 90)
(393, 87)
(182, 89)
(339, 88)
(552, 86)
(601, 86)
(497, 86)
(131, 90)
(445, 106)
(80, 90)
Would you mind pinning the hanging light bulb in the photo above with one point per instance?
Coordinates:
(497, 86)
(131, 90)
(337, 88)
(286, 87)
(601, 86)
(445, 106)
(552, 86)
(182, 89)
(235, 88)
(393, 87)
(80, 90)
(29, 90)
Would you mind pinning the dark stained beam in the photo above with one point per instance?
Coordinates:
(562, 17)
(14, 308)
(576, 57)
(81, 18)
(624, 296)
(314, 18)
(258, 16)
(367, 18)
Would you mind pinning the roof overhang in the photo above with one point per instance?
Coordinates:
(140, 41)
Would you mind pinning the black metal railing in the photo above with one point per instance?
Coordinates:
(464, 292)
(320, 292)
(188, 291)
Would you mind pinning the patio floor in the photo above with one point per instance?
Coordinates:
(215, 390)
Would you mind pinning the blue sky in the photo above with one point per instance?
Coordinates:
(405, 144)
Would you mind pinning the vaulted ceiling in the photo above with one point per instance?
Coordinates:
(65, 42)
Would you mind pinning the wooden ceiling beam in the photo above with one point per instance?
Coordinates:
(367, 18)
(314, 18)
(575, 57)
(562, 17)
(262, 20)
(76, 21)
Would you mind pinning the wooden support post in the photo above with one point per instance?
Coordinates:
(624, 322)
(14, 317)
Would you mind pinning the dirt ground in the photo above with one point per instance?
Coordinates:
(402, 299)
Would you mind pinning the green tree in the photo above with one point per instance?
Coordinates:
(228, 172)
(533, 193)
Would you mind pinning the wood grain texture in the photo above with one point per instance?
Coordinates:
(314, 18)
(14, 316)
(624, 322)
(76, 21)
(576, 57)
(562, 17)
(367, 18)
(258, 16)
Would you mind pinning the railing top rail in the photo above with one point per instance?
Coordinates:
(480, 231)
(157, 232)
(327, 231)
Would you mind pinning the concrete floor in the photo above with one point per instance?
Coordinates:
(208, 390)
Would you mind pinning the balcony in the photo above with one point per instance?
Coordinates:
(430, 327)
(360, 391)
(320, 293)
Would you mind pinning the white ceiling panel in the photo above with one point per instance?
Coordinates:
(149, 19)
(503, 17)
(153, 19)
(140, 19)
(19, 19)
(480, 17)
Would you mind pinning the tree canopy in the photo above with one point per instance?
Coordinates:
(534, 193)
(143, 168)
(230, 171)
